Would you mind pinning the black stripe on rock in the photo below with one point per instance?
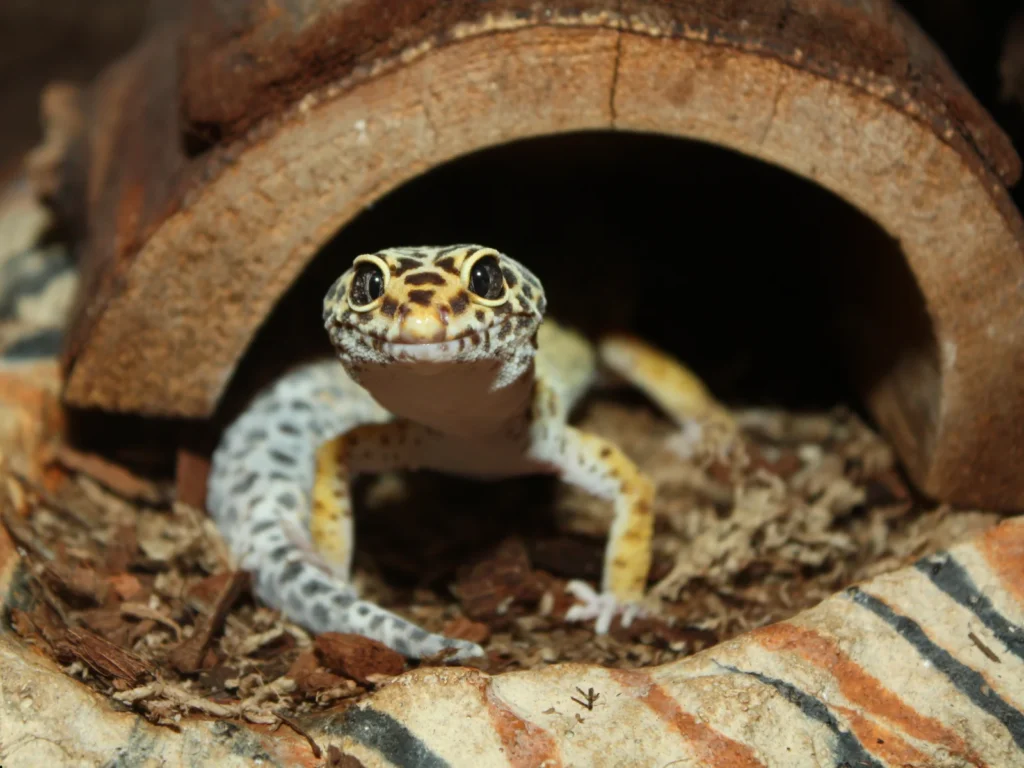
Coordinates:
(383, 733)
(952, 578)
(847, 750)
(968, 681)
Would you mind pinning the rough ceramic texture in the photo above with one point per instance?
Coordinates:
(207, 194)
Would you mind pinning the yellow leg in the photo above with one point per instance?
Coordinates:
(628, 552)
(330, 522)
(664, 379)
(372, 447)
(601, 468)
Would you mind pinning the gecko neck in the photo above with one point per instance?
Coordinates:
(461, 399)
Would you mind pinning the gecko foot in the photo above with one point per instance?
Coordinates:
(603, 607)
(464, 650)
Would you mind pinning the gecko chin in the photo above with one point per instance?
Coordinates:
(465, 385)
(463, 393)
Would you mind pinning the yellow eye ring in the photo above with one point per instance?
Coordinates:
(369, 283)
(482, 277)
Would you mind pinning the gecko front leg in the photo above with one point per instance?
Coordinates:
(599, 467)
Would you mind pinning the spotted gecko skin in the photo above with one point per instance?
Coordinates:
(259, 495)
(445, 365)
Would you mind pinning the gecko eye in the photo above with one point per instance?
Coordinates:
(485, 278)
(367, 284)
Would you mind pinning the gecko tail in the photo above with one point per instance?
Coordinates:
(261, 477)
(322, 602)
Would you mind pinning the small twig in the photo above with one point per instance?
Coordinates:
(257, 640)
(252, 707)
(302, 732)
(177, 695)
(188, 656)
(984, 648)
(113, 476)
(141, 611)
(138, 694)
(589, 696)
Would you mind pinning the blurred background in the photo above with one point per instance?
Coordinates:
(68, 40)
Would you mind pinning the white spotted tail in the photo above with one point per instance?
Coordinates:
(260, 497)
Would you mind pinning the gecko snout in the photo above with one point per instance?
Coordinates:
(422, 326)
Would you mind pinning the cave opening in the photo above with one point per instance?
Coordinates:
(771, 288)
(775, 291)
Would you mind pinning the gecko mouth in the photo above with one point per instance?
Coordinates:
(485, 340)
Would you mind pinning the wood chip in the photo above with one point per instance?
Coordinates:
(191, 472)
(311, 678)
(123, 551)
(26, 628)
(20, 531)
(503, 578)
(126, 586)
(50, 501)
(305, 664)
(106, 622)
(203, 594)
(77, 584)
(189, 656)
(102, 656)
(112, 476)
(357, 657)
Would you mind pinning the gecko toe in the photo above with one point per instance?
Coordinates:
(603, 607)
(465, 650)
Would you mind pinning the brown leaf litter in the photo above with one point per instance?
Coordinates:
(139, 600)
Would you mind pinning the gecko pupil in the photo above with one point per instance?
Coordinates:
(485, 279)
(367, 285)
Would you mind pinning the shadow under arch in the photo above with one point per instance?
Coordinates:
(771, 287)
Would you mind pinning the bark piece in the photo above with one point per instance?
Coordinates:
(357, 657)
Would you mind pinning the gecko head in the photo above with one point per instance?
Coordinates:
(422, 309)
